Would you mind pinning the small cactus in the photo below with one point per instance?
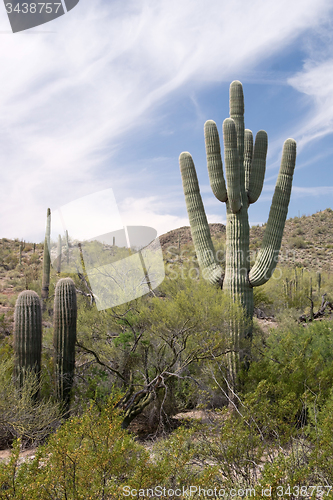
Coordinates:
(27, 334)
(20, 254)
(67, 246)
(59, 249)
(64, 338)
(46, 260)
(319, 280)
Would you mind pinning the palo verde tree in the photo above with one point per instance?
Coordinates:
(245, 171)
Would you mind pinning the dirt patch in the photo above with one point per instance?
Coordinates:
(24, 455)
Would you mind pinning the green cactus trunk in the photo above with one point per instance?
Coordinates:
(27, 335)
(46, 260)
(64, 338)
(245, 170)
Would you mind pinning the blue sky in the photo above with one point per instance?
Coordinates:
(109, 95)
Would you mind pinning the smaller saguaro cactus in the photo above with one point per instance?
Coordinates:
(27, 335)
(64, 338)
(46, 260)
(59, 249)
(67, 246)
(20, 254)
(319, 280)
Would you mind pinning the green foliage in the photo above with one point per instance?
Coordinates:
(21, 415)
(292, 370)
(172, 336)
(261, 298)
(92, 457)
(297, 242)
(291, 288)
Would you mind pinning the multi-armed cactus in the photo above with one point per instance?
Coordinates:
(27, 335)
(245, 170)
(46, 260)
(64, 337)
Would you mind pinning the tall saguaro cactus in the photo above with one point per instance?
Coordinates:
(64, 337)
(245, 166)
(27, 335)
(46, 260)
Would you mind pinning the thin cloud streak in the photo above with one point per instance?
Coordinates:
(69, 97)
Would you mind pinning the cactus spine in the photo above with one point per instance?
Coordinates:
(245, 170)
(27, 335)
(46, 260)
(64, 337)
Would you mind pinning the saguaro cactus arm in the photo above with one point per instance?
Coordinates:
(257, 167)
(236, 104)
(198, 220)
(232, 165)
(214, 161)
(268, 255)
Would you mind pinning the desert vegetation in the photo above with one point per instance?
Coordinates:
(149, 412)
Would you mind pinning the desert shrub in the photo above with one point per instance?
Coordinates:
(21, 415)
(261, 298)
(297, 242)
(3, 299)
(290, 288)
(293, 371)
(92, 457)
(159, 344)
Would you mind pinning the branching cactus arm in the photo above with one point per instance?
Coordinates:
(257, 167)
(267, 258)
(245, 166)
(232, 165)
(214, 161)
(198, 220)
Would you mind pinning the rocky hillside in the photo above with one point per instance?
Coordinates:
(307, 241)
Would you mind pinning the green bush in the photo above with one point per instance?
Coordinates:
(297, 242)
(21, 416)
(167, 338)
(92, 457)
(292, 370)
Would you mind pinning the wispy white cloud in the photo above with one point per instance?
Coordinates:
(147, 211)
(312, 191)
(70, 99)
(316, 82)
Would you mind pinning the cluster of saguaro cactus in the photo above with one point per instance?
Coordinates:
(28, 336)
(245, 170)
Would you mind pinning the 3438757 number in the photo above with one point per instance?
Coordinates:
(33, 8)
(303, 491)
